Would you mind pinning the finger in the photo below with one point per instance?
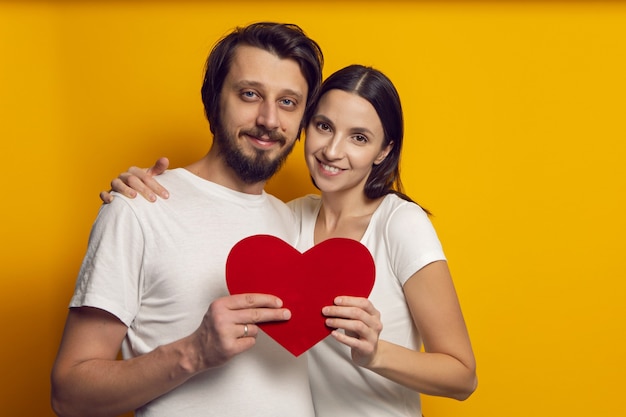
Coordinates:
(247, 330)
(119, 186)
(349, 339)
(242, 344)
(360, 302)
(253, 300)
(136, 185)
(154, 186)
(262, 315)
(358, 327)
(106, 197)
(226, 346)
(362, 349)
(356, 335)
(353, 319)
(352, 313)
(149, 184)
(159, 166)
(257, 308)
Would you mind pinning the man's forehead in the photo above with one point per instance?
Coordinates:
(256, 67)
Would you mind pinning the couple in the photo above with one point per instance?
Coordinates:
(153, 277)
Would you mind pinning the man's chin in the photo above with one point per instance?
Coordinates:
(253, 163)
(253, 170)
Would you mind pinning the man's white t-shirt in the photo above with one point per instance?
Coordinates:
(158, 266)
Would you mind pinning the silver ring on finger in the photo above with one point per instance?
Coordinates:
(245, 330)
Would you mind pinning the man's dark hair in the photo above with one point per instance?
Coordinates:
(286, 41)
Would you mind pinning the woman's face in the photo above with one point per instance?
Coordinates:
(344, 139)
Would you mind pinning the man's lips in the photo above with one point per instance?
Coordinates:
(263, 142)
(264, 139)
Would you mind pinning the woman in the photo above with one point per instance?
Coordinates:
(373, 364)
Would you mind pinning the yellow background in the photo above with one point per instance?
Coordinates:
(515, 140)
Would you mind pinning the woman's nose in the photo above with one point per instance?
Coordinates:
(333, 149)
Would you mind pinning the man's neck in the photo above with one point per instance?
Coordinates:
(213, 168)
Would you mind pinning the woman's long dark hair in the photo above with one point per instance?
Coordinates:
(379, 91)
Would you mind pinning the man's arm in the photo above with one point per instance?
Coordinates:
(87, 378)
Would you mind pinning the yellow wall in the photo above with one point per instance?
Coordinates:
(515, 140)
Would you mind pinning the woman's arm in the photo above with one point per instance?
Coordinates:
(446, 368)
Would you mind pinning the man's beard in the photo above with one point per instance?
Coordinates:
(255, 168)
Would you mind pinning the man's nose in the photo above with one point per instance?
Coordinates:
(268, 115)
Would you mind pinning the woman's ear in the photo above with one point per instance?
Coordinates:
(383, 154)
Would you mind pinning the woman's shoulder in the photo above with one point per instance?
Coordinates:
(394, 205)
(305, 203)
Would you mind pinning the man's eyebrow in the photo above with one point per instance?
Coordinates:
(261, 86)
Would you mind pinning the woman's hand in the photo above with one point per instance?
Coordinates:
(139, 180)
(361, 323)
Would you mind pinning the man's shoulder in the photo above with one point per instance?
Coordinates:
(173, 176)
(279, 205)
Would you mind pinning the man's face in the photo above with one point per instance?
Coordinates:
(262, 104)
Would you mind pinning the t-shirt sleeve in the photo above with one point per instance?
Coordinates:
(111, 273)
(412, 241)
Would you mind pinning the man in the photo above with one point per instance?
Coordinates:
(153, 280)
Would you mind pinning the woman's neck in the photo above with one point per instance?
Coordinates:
(344, 215)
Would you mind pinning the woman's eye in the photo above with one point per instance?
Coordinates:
(360, 138)
(323, 126)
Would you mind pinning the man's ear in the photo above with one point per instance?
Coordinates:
(383, 154)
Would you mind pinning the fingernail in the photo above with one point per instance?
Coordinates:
(287, 314)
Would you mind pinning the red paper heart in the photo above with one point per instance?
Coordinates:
(305, 282)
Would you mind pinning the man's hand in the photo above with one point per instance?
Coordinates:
(87, 378)
(229, 326)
